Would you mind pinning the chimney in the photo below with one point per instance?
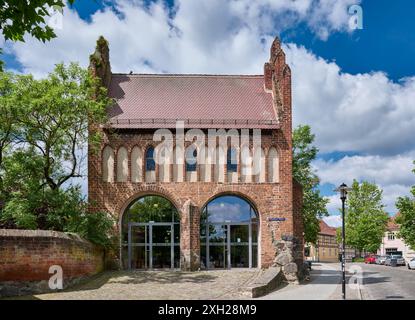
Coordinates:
(99, 62)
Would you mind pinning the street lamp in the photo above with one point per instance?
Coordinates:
(343, 189)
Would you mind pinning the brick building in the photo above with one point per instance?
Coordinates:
(224, 209)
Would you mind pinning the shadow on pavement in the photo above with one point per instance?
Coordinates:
(140, 277)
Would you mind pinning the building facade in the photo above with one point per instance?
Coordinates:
(326, 249)
(199, 200)
(392, 244)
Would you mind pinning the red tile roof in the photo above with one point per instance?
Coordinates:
(392, 225)
(326, 229)
(203, 101)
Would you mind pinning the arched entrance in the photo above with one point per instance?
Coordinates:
(229, 233)
(150, 235)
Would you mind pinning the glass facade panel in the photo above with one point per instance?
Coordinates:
(233, 234)
(151, 221)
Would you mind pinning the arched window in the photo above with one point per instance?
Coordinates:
(191, 159)
(108, 164)
(150, 165)
(136, 165)
(122, 165)
(232, 165)
(191, 164)
(232, 160)
(150, 234)
(229, 233)
(273, 166)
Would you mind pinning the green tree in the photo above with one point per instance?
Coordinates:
(365, 219)
(53, 117)
(42, 137)
(314, 205)
(20, 17)
(8, 124)
(406, 218)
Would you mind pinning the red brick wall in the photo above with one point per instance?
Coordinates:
(26, 255)
(298, 220)
(270, 199)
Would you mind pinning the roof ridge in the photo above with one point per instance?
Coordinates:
(162, 75)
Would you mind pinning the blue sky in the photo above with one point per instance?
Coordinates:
(356, 88)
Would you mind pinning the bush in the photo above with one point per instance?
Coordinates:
(358, 259)
(97, 227)
(59, 210)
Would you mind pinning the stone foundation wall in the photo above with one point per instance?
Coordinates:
(27, 255)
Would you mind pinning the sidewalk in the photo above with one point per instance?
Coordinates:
(324, 284)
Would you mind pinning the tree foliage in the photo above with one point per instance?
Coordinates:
(153, 208)
(53, 119)
(365, 219)
(43, 131)
(8, 115)
(314, 205)
(406, 218)
(20, 17)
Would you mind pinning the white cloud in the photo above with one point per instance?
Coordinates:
(363, 112)
(391, 173)
(333, 221)
(383, 170)
(211, 36)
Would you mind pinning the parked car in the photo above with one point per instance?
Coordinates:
(395, 260)
(370, 259)
(388, 261)
(380, 259)
(400, 260)
(411, 264)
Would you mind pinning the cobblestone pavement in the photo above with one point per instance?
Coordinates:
(157, 285)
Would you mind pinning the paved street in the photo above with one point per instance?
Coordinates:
(390, 283)
(379, 282)
(324, 281)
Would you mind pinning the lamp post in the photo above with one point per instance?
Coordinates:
(343, 189)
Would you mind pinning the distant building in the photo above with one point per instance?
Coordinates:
(326, 249)
(392, 244)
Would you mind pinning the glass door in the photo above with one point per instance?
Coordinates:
(153, 245)
(162, 253)
(217, 246)
(229, 245)
(240, 246)
(138, 246)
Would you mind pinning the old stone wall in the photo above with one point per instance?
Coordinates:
(27, 255)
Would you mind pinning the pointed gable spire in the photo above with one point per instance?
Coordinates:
(99, 62)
